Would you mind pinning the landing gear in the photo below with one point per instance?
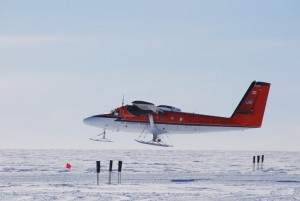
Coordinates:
(157, 139)
(155, 143)
(101, 137)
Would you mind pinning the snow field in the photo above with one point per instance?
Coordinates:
(148, 175)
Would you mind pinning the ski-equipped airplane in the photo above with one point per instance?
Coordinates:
(144, 117)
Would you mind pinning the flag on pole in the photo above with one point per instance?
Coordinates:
(68, 166)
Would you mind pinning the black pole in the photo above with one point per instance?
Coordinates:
(110, 165)
(258, 159)
(253, 159)
(98, 171)
(262, 158)
(98, 166)
(120, 166)
(119, 172)
(110, 170)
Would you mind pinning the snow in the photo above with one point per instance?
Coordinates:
(160, 174)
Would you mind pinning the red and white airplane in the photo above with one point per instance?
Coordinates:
(144, 117)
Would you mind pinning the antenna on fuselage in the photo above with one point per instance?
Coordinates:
(123, 101)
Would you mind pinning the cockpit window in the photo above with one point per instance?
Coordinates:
(114, 112)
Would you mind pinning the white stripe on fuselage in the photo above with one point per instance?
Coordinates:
(111, 123)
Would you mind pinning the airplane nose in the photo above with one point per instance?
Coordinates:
(90, 121)
(99, 121)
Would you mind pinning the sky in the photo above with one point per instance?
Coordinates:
(62, 61)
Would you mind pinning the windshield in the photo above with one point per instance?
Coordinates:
(114, 112)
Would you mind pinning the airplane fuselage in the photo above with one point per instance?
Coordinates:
(141, 117)
(166, 122)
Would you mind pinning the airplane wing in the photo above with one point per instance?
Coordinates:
(139, 108)
(146, 106)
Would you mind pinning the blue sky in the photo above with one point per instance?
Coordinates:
(61, 61)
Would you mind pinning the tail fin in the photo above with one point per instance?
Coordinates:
(250, 111)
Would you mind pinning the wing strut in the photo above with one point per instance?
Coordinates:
(153, 128)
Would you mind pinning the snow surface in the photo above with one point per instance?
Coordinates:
(148, 175)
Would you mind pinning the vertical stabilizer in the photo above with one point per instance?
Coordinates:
(250, 110)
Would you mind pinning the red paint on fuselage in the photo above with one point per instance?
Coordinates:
(249, 112)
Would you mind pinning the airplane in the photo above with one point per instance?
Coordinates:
(146, 118)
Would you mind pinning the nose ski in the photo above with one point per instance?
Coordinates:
(101, 137)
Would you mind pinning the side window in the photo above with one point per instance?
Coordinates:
(181, 119)
(173, 118)
(162, 117)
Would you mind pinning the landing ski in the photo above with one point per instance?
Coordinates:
(153, 143)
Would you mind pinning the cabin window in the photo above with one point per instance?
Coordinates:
(173, 118)
(181, 119)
